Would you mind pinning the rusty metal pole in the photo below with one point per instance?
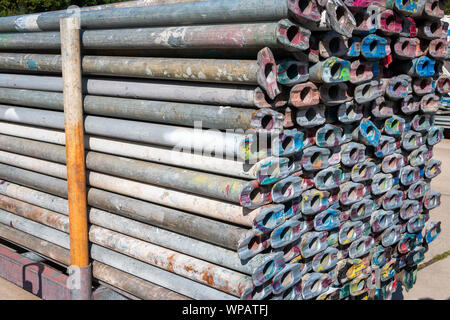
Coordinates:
(76, 171)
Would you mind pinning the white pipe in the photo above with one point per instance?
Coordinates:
(147, 152)
(167, 197)
(33, 164)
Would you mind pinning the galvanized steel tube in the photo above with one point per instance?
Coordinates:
(209, 230)
(195, 269)
(132, 284)
(184, 114)
(203, 272)
(201, 70)
(32, 132)
(189, 12)
(218, 36)
(125, 281)
(26, 204)
(176, 91)
(206, 141)
(247, 193)
(183, 201)
(76, 168)
(34, 232)
(276, 167)
(31, 242)
(33, 164)
(158, 276)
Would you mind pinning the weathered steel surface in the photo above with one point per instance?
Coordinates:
(26, 240)
(201, 70)
(190, 246)
(174, 12)
(35, 197)
(37, 165)
(34, 213)
(31, 179)
(266, 171)
(158, 276)
(232, 36)
(192, 268)
(155, 111)
(184, 92)
(203, 272)
(180, 243)
(76, 169)
(234, 190)
(351, 193)
(257, 218)
(183, 138)
(209, 185)
(225, 235)
(133, 285)
(58, 251)
(24, 131)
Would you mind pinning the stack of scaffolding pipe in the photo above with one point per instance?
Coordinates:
(307, 178)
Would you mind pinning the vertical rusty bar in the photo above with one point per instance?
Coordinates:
(80, 269)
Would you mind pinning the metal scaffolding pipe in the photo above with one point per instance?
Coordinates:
(262, 220)
(248, 243)
(173, 13)
(36, 229)
(246, 193)
(219, 233)
(170, 240)
(33, 164)
(217, 277)
(206, 141)
(224, 211)
(125, 4)
(56, 251)
(240, 36)
(28, 206)
(184, 114)
(35, 149)
(176, 91)
(131, 284)
(45, 248)
(267, 170)
(20, 21)
(37, 214)
(31, 132)
(76, 170)
(209, 274)
(102, 272)
(35, 197)
(249, 72)
(158, 276)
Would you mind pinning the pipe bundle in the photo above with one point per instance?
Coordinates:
(249, 149)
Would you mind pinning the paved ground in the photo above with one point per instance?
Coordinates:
(433, 282)
(9, 291)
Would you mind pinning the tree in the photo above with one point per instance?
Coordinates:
(16, 7)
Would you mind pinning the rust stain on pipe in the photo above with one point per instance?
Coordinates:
(34, 213)
(73, 114)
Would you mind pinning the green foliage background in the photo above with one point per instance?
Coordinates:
(15, 7)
